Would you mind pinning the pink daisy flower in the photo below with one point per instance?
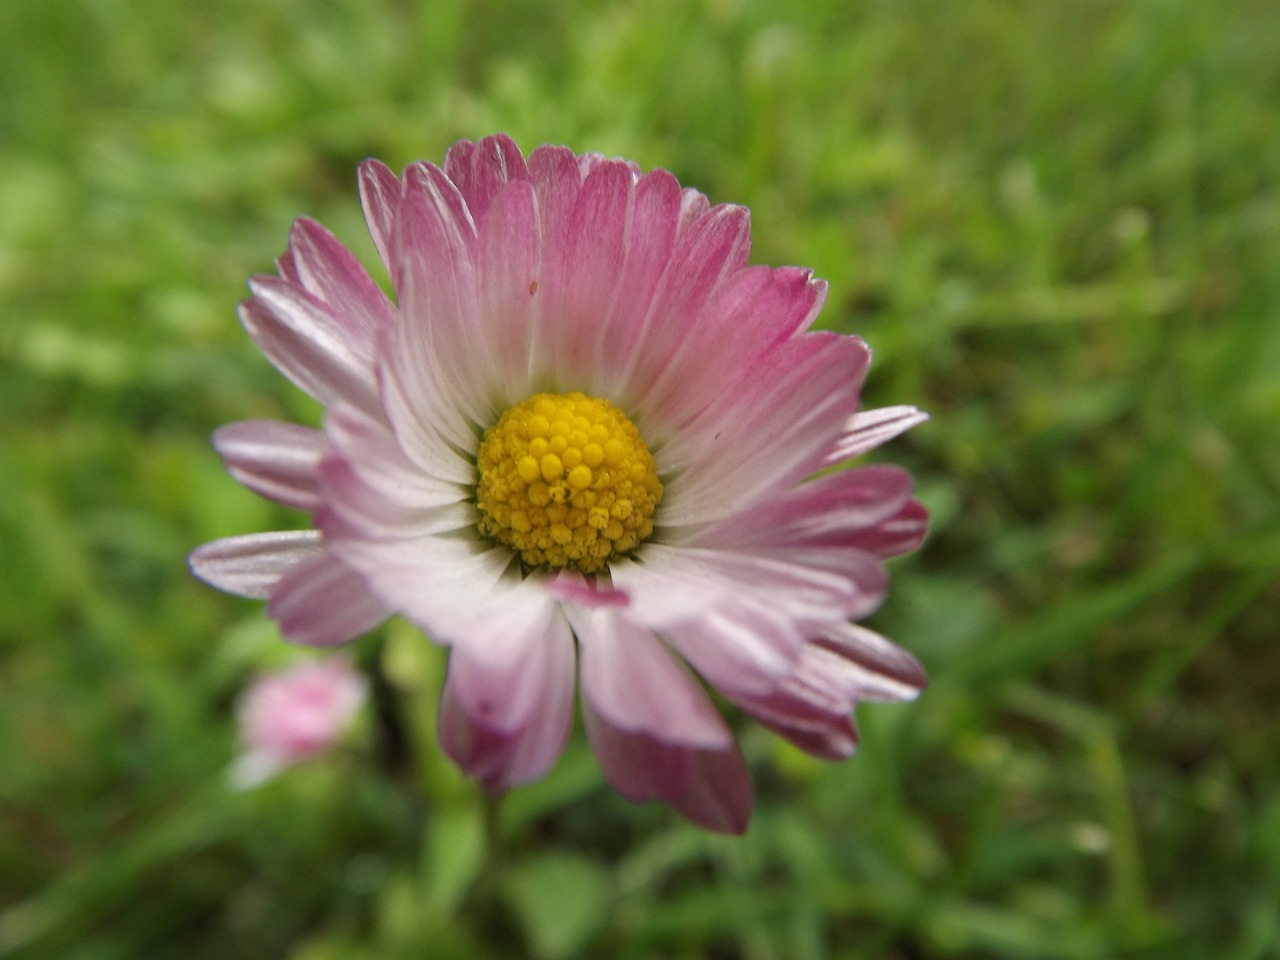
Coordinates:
(587, 439)
(290, 716)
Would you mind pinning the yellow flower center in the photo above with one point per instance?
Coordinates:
(566, 481)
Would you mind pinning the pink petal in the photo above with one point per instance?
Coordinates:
(556, 179)
(505, 718)
(847, 664)
(710, 250)
(352, 493)
(457, 164)
(747, 647)
(427, 429)
(506, 639)
(273, 459)
(719, 796)
(377, 492)
(251, 565)
(632, 682)
(481, 169)
(435, 374)
(649, 242)
(370, 445)
(836, 510)
(801, 716)
(693, 207)
(750, 314)
(318, 263)
(322, 603)
(588, 162)
(869, 666)
(712, 788)
(510, 257)
(899, 534)
(588, 592)
(440, 583)
(670, 586)
(675, 584)
(811, 708)
(308, 344)
(380, 197)
(594, 254)
(868, 429)
(767, 435)
(653, 729)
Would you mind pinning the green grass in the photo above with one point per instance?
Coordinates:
(1059, 227)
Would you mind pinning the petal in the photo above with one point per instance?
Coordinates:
(869, 428)
(747, 647)
(750, 314)
(714, 247)
(510, 255)
(363, 511)
(308, 344)
(812, 707)
(481, 169)
(251, 565)
(589, 161)
(368, 443)
(505, 719)
(655, 732)
(318, 263)
(433, 435)
(670, 586)
(504, 641)
(435, 374)
(650, 239)
(594, 254)
(693, 207)
(767, 434)
(676, 584)
(380, 197)
(457, 164)
(806, 713)
(712, 788)
(835, 510)
(556, 179)
(588, 592)
(438, 582)
(899, 534)
(719, 796)
(869, 666)
(273, 459)
(632, 682)
(322, 603)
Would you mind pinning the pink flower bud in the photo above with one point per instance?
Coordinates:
(289, 716)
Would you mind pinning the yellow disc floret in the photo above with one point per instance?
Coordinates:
(566, 481)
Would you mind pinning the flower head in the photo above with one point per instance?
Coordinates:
(587, 438)
(290, 716)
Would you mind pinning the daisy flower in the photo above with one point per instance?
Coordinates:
(290, 716)
(587, 445)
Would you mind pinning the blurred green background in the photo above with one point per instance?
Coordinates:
(1057, 224)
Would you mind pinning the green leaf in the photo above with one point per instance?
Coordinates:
(454, 856)
(560, 901)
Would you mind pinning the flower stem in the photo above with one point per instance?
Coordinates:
(484, 891)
